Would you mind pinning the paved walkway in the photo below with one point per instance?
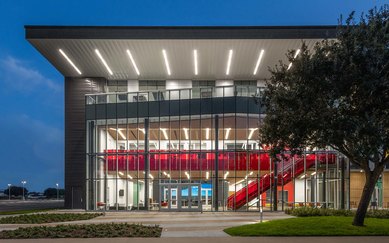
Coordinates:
(186, 227)
(369, 239)
(178, 224)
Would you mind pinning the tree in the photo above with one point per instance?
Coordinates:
(52, 192)
(16, 191)
(336, 95)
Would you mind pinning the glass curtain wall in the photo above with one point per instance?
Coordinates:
(196, 159)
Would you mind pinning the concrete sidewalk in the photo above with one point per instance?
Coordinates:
(178, 224)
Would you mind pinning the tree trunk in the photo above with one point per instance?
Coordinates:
(371, 180)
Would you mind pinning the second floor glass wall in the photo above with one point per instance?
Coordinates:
(174, 94)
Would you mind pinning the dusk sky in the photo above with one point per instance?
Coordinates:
(32, 92)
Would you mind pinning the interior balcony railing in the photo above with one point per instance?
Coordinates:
(174, 94)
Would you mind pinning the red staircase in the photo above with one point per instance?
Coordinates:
(238, 199)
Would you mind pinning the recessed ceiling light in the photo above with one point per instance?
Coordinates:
(164, 133)
(186, 133)
(229, 62)
(258, 61)
(252, 130)
(207, 133)
(133, 62)
(297, 53)
(227, 132)
(166, 62)
(70, 61)
(120, 132)
(103, 61)
(294, 57)
(195, 62)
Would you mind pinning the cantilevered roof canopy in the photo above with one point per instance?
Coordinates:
(213, 45)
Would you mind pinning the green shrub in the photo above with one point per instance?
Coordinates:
(47, 218)
(308, 212)
(83, 231)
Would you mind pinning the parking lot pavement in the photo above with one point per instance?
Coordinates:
(15, 205)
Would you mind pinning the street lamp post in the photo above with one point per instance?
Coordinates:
(9, 191)
(57, 191)
(23, 183)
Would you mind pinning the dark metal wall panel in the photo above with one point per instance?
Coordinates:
(180, 32)
(75, 138)
(175, 108)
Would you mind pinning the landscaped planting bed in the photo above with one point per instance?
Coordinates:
(83, 231)
(25, 211)
(308, 212)
(42, 218)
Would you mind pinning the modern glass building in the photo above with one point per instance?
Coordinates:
(166, 118)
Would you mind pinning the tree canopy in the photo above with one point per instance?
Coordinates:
(335, 94)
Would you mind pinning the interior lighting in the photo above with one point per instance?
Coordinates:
(164, 133)
(70, 61)
(226, 174)
(120, 132)
(258, 61)
(103, 61)
(186, 133)
(229, 62)
(228, 132)
(207, 175)
(195, 62)
(166, 174)
(133, 62)
(294, 57)
(207, 133)
(252, 130)
(166, 61)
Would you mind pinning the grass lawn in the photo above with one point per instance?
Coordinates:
(83, 231)
(312, 226)
(47, 218)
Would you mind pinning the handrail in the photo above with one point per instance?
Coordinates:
(174, 94)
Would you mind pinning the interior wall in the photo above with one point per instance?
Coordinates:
(385, 186)
(357, 181)
(178, 84)
(133, 85)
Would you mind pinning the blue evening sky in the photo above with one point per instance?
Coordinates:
(31, 90)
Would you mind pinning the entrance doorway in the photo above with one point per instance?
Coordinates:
(180, 197)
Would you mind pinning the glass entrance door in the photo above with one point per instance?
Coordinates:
(180, 197)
